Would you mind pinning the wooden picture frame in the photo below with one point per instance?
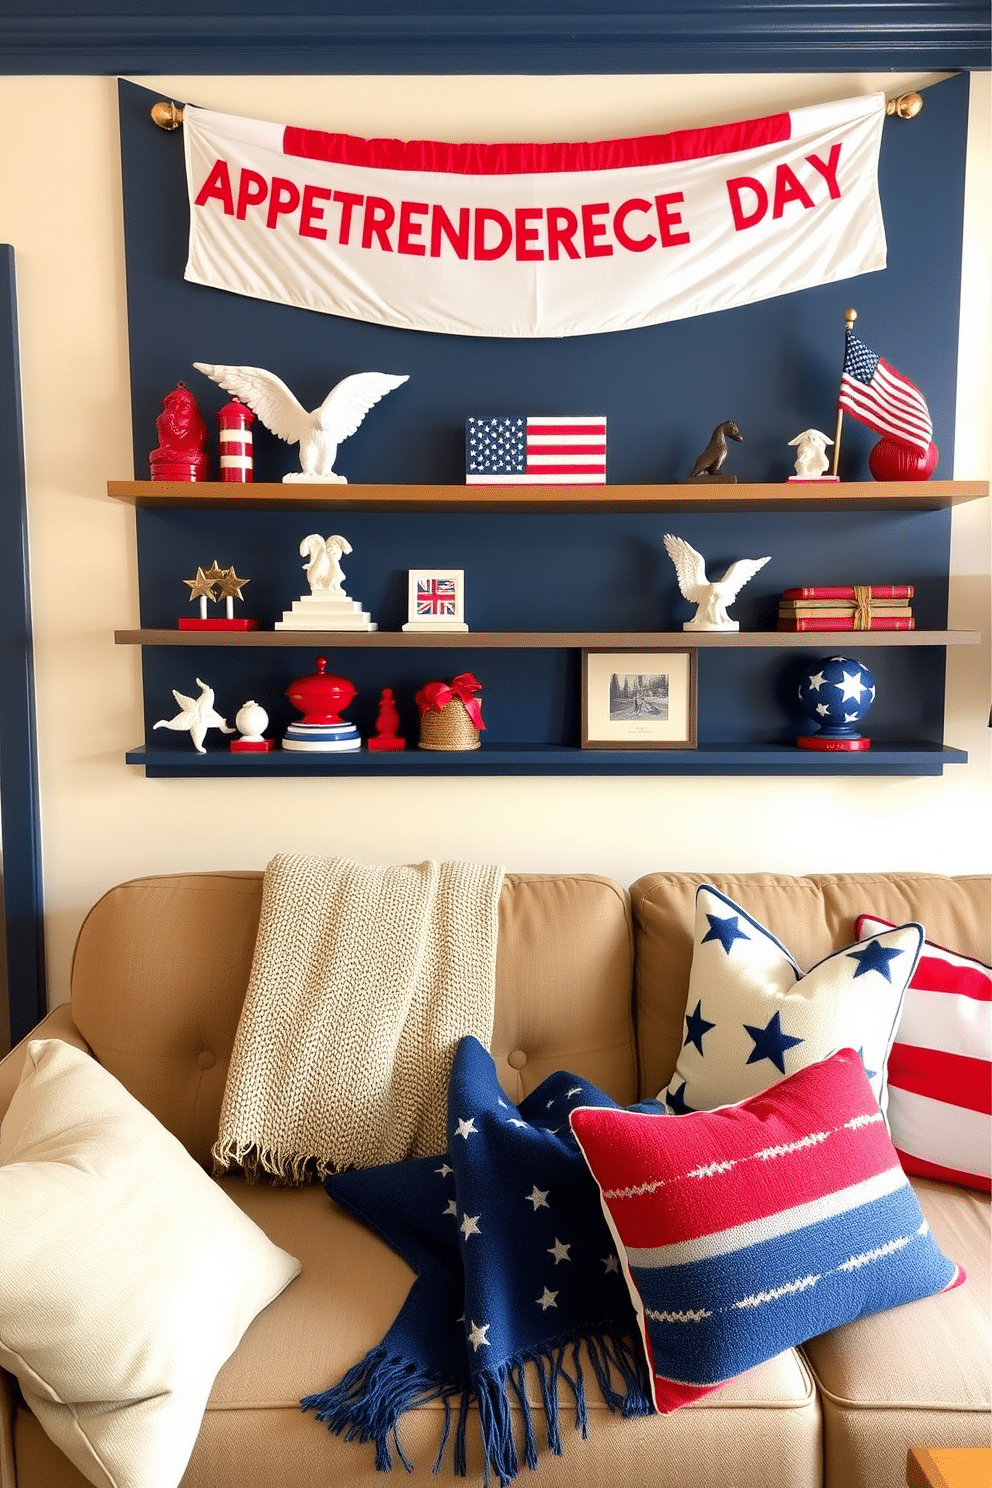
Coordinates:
(638, 699)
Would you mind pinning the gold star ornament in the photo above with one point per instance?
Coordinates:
(202, 587)
(230, 585)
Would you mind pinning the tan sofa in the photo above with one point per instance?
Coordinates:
(592, 979)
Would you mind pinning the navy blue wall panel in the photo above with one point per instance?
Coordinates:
(774, 367)
(540, 572)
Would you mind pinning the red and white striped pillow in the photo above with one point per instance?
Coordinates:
(940, 1067)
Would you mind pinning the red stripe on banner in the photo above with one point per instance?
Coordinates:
(954, 1079)
(565, 429)
(935, 974)
(920, 1168)
(535, 159)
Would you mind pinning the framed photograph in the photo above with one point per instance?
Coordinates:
(639, 699)
(436, 599)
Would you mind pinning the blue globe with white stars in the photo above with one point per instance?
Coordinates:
(835, 693)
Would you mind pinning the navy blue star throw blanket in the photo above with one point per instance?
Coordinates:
(515, 1265)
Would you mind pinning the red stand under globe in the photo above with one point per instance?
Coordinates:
(891, 461)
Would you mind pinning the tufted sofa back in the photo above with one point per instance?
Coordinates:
(587, 978)
(162, 965)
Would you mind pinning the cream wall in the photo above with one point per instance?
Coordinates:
(60, 206)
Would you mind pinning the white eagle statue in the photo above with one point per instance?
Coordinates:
(318, 433)
(711, 599)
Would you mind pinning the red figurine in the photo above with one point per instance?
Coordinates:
(387, 723)
(236, 444)
(180, 455)
(321, 698)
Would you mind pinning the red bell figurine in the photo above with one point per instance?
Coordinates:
(321, 697)
(386, 724)
(182, 434)
(216, 584)
(450, 713)
(236, 443)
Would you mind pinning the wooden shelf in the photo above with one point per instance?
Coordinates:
(845, 496)
(166, 760)
(550, 759)
(544, 640)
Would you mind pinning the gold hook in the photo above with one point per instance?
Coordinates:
(167, 115)
(905, 107)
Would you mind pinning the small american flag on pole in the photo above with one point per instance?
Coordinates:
(879, 396)
(535, 451)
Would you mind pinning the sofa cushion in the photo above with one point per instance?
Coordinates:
(126, 1275)
(564, 965)
(758, 1225)
(753, 1016)
(350, 1288)
(940, 1068)
(918, 1373)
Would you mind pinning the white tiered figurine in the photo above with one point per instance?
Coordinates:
(326, 607)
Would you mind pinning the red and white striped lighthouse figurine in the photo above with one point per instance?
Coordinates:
(236, 455)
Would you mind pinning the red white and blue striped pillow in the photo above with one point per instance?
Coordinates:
(940, 1067)
(753, 1227)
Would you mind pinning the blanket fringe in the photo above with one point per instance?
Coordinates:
(366, 1405)
(264, 1165)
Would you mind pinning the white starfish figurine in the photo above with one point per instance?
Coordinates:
(711, 599)
(318, 433)
(197, 715)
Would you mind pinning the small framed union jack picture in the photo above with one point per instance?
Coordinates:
(436, 599)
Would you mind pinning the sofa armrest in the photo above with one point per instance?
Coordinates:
(57, 1024)
(8, 1402)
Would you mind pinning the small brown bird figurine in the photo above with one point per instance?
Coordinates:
(713, 456)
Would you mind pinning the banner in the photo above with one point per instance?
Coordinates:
(535, 239)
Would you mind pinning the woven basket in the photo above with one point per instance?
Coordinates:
(450, 729)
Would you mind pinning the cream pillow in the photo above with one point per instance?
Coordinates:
(127, 1276)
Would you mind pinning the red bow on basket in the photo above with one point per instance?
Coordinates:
(438, 695)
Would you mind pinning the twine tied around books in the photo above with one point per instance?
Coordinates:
(862, 607)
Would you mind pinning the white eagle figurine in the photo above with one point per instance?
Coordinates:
(318, 433)
(711, 599)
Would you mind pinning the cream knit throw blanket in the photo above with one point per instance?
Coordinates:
(363, 981)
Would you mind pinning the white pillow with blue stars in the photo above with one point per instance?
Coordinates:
(752, 1016)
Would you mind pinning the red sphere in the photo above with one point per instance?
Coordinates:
(891, 461)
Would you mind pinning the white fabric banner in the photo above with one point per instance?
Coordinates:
(532, 239)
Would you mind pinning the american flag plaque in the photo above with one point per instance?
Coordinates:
(436, 599)
(552, 451)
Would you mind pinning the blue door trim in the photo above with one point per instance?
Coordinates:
(515, 36)
(23, 903)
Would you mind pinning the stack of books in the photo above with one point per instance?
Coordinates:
(843, 607)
